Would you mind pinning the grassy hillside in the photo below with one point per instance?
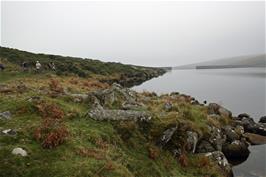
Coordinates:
(50, 118)
(126, 75)
(80, 146)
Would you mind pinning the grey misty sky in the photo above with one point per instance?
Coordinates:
(142, 33)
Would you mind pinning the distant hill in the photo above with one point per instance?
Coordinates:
(234, 62)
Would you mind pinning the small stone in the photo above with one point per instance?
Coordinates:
(19, 151)
(5, 115)
(9, 132)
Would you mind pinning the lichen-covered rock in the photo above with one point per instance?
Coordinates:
(9, 132)
(251, 126)
(166, 136)
(219, 158)
(192, 140)
(116, 96)
(230, 133)
(99, 113)
(5, 115)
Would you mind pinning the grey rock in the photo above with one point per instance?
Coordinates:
(230, 133)
(192, 140)
(204, 146)
(9, 132)
(262, 119)
(5, 115)
(112, 95)
(99, 113)
(241, 116)
(19, 151)
(251, 126)
(219, 158)
(166, 137)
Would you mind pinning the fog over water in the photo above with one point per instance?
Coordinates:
(142, 33)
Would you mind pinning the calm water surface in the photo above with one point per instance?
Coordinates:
(239, 90)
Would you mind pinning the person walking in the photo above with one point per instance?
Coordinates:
(38, 66)
(25, 66)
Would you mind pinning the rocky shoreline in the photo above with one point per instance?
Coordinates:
(229, 142)
(197, 136)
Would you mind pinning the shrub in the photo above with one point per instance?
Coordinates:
(51, 133)
(50, 111)
(55, 86)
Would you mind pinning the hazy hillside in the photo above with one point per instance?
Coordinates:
(234, 62)
(126, 75)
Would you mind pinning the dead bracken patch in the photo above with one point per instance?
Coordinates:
(50, 110)
(183, 160)
(55, 86)
(51, 134)
(52, 131)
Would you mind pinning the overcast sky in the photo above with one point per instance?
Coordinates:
(150, 33)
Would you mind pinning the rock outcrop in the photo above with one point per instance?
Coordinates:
(99, 113)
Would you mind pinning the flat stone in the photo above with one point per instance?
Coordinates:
(9, 132)
(5, 115)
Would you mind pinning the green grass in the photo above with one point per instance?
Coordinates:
(93, 148)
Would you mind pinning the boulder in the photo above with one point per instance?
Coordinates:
(116, 95)
(262, 119)
(236, 149)
(219, 158)
(204, 146)
(19, 151)
(216, 138)
(214, 108)
(166, 136)
(230, 133)
(255, 139)
(99, 113)
(243, 115)
(192, 140)
(251, 126)
(5, 115)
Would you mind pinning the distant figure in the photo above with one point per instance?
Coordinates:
(2, 67)
(25, 66)
(38, 66)
(52, 66)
